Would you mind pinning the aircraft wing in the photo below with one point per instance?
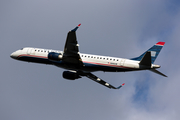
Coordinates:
(71, 50)
(102, 82)
(71, 56)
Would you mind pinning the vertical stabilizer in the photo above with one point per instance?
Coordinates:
(154, 50)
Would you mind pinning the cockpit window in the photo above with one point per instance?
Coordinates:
(22, 48)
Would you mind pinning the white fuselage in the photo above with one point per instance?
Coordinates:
(91, 62)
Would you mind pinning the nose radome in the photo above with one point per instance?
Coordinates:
(14, 55)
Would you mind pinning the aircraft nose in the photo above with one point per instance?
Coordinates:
(13, 55)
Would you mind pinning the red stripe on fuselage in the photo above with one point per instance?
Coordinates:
(109, 65)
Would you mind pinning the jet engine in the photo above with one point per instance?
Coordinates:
(70, 75)
(55, 56)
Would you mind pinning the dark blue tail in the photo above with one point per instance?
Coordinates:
(154, 52)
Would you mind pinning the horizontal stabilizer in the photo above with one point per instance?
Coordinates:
(146, 60)
(156, 71)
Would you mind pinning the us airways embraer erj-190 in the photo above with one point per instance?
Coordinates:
(82, 65)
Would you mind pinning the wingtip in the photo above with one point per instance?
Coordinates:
(121, 86)
(76, 27)
(79, 25)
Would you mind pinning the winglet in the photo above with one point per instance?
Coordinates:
(76, 28)
(120, 86)
(79, 25)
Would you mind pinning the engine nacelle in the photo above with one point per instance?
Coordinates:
(71, 75)
(55, 56)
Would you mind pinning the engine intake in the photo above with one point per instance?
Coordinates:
(55, 56)
(71, 75)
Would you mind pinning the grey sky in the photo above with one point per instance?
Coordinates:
(120, 28)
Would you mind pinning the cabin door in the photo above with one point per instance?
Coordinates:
(29, 51)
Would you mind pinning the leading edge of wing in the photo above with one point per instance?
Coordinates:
(102, 82)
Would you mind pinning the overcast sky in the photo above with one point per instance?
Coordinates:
(119, 28)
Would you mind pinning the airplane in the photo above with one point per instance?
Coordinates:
(82, 65)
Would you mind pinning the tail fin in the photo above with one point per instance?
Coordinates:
(154, 52)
